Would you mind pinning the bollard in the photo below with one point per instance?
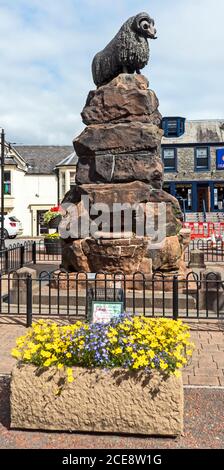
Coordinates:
(34, 252)
(29, 301)
(22, 251)
(175, 298)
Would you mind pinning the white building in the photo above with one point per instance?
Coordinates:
(36, 179)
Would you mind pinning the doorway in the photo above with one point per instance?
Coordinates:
(41, 226)
(203, 198)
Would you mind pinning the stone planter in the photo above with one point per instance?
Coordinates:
(52, 246)
(116, 401)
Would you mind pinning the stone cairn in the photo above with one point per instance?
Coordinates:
(119, 162)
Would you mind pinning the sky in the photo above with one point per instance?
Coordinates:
(47, 46)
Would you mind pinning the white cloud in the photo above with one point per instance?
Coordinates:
(46, 49)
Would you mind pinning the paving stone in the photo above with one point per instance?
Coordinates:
(209, 371)
(210, 347)
(218, 357)
(205, 364)
(203, 380)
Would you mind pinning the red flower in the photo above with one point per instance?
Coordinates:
(55, 209)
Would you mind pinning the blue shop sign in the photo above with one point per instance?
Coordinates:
(220, 159)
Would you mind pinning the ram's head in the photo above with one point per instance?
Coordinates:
(145, 26)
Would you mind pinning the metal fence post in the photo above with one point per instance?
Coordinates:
(34, 252)
(29, 301)
(22, 251)
(175, 298)
(6, 260)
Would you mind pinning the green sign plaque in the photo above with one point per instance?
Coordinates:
(103, 311)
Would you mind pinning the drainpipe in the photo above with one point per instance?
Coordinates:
(58, 186)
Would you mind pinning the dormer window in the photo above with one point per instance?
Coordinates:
(173, 126)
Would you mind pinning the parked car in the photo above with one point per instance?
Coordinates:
(12, 226)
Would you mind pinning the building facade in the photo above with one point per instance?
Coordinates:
(193, 156)
(36, 179)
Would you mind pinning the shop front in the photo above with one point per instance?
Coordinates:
(217, 196)
(194, 196)
(183, 193)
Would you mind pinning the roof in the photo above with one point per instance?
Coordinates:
(199, 132)
(72, 159)
(10, 160)
(43, 159)
(13, 158)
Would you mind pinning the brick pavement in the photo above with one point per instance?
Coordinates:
(205, 369)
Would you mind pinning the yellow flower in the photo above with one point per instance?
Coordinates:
(189, 352)
(45, 353)
(15, 353)
(129, 349)
(47, 363)
(68, 355)
(177, 373)
(113, 340)
(163, 365)
(151, 354)
(27, 355)
(178, 365)
(117, 351)
(134, 355)
(70, 379)
(136, 365)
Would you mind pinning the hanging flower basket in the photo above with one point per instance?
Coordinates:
(53, 217)
(54, 223)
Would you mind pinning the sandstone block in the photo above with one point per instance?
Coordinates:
(142, 166)
(126, 98)
(115, 401)
(167, 255)
(117, 138)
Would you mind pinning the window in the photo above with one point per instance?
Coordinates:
(169, 159)
(202, 158)
(218, 196)
(7, 182)
(62, 184)
(173, 126)
(72, 178)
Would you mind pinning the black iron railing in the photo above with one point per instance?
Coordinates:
(68, 294)
(213, 251)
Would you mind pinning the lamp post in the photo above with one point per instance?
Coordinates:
(2, 240)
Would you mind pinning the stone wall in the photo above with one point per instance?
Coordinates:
(116, 401)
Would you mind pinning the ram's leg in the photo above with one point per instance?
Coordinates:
(138, 71)
(125, 69)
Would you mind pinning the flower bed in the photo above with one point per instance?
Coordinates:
(119, 377)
